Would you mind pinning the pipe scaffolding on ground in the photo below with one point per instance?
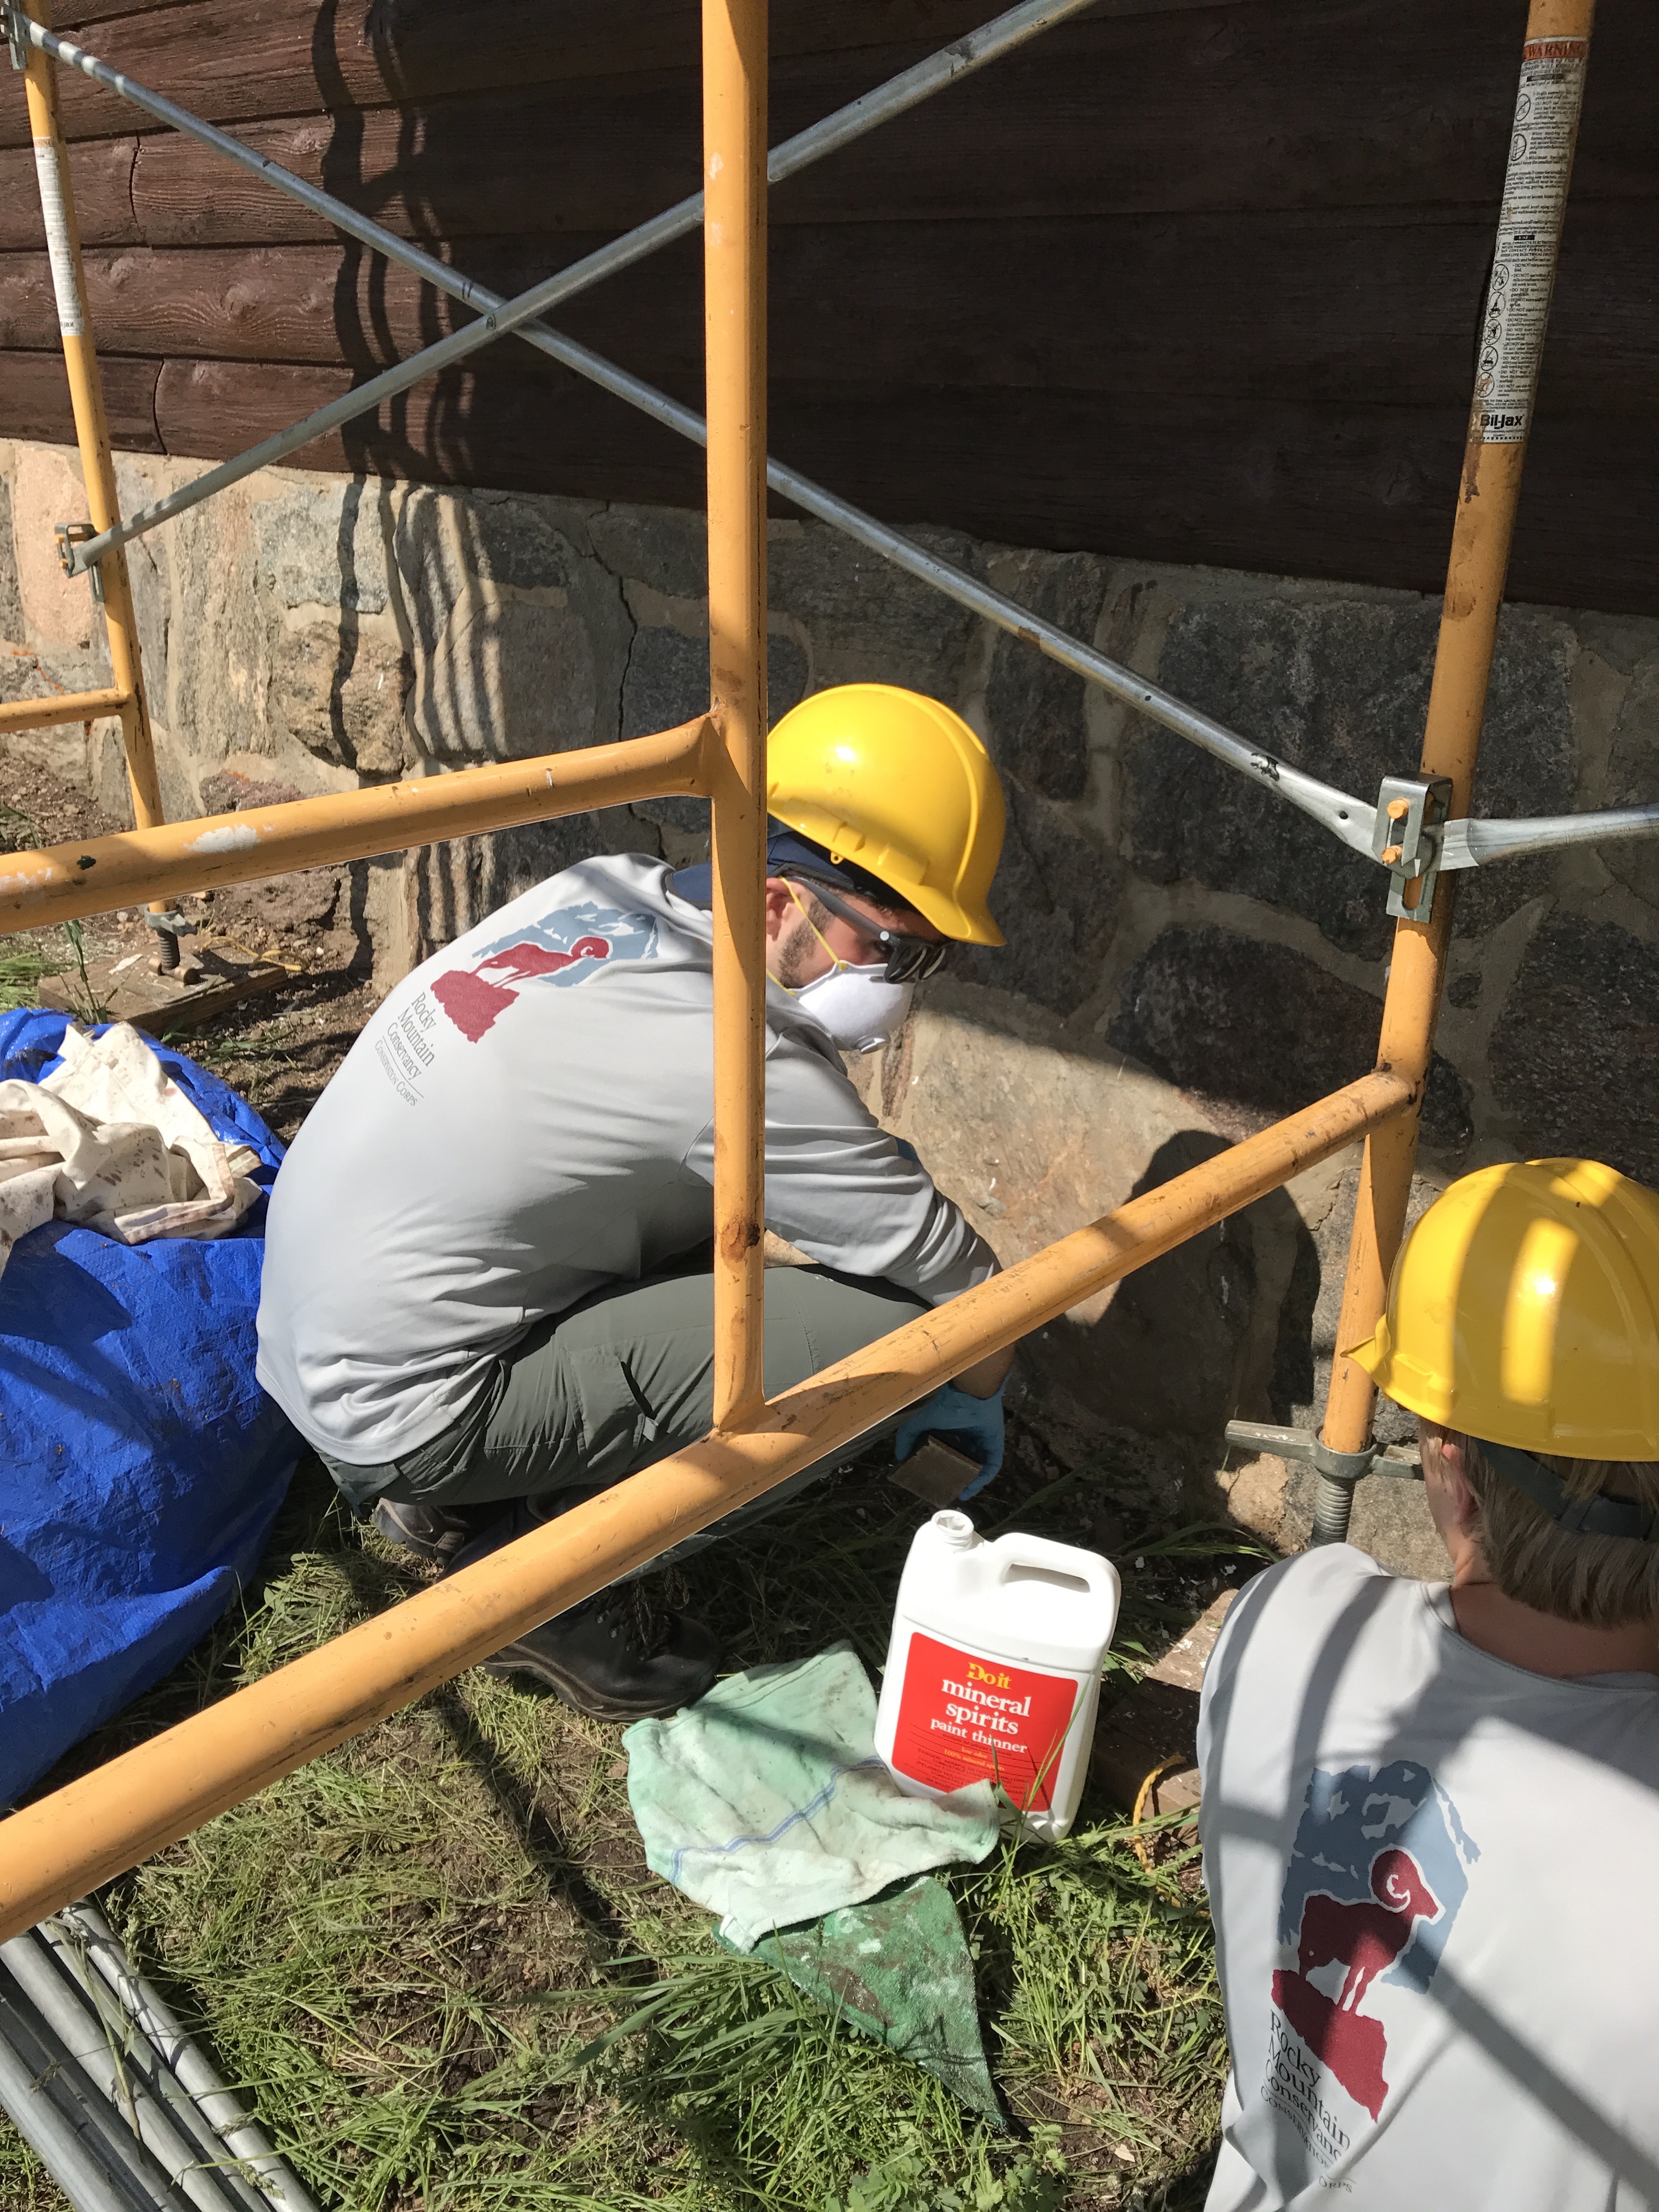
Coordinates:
(59, 1848)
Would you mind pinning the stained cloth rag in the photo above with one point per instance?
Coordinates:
(899, 1968)
(765, 1801)
(109, 1141)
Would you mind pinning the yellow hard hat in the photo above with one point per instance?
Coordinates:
(1523, 1309)
(899, 785)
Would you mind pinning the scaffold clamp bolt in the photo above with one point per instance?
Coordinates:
(68, 535)
(1406, 838)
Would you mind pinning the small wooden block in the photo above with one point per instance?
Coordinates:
(133, 991)
(936, 1473)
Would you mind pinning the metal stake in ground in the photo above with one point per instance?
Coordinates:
(1554, 61)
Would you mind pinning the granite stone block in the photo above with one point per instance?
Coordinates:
(1036, 710)
(1575, 1057)
(1338, 688)
(1260, 1027)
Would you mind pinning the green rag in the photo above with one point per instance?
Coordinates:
(765, 1801)
(899, 1969)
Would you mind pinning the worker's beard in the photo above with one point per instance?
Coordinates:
(859, 1007)
(794, 952)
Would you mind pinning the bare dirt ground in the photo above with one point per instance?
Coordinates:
(278, 1050)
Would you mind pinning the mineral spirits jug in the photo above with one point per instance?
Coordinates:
(994, 1671)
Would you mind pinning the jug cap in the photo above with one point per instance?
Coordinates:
(956, 1531)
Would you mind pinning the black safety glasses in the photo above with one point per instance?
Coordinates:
(910, 959)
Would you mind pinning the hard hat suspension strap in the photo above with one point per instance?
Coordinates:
(1581, 1517)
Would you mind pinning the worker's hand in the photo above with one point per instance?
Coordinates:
(906, 1151)
(972, 1425)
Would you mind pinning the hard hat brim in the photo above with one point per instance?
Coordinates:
(956, 921)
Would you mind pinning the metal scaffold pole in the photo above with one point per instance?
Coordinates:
(126, 697)
(1554, 57)
(734, 61)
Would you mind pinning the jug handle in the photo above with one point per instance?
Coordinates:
(1101, 1575)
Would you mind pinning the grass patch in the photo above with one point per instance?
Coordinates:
(24, 963)
(437, 1960)
(20, 970)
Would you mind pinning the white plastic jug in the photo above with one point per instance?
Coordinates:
(994, 1671)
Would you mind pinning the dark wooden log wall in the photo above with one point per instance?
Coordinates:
(1197, 282)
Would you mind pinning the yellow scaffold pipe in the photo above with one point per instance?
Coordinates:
(123, 1812)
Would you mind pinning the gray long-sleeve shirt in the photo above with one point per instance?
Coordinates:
(529, 1116)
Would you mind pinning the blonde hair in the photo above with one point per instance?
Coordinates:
(1596, 1582)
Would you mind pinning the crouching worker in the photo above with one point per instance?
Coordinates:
(488, 1284)
(1431, 1813)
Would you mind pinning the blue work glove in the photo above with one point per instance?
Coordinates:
(906, 1151)
(973, 1424)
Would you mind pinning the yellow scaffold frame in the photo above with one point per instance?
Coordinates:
(97, 1827)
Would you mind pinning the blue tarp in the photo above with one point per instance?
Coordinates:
(141, 1464)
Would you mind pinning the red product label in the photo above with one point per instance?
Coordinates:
(962, 1720)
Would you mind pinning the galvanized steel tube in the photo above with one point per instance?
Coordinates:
(1347, 819)
(500, 316)
(89, 2150)
(221, 2111)
(70, 2014)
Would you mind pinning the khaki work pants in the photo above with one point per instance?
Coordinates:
(619, 1381)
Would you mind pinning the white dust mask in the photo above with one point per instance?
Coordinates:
(860, 1009)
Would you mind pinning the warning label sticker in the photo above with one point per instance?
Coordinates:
(962, 1719)
(1528, 235)
(71, 317)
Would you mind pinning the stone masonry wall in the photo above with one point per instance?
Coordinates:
(1186, 960)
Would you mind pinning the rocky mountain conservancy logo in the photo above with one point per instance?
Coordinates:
(1377, 1875)
(562, 948)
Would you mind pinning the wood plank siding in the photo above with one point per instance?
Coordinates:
(1189, 283)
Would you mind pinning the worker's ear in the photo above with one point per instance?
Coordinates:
(780, 908)
(1445, 1469)
(1445, 1483)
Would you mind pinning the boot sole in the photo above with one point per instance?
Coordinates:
(581, 1699)
(437, 1555)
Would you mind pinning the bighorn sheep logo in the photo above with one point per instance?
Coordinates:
(1378, 1873)
(562, 948)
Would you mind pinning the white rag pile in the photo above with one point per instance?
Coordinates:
(110, 1141)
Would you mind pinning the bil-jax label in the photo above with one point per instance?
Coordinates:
(1528, 237)
(964, 1719)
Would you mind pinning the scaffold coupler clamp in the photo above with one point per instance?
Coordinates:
(68, 535)
(1407, 836)
(17, 37)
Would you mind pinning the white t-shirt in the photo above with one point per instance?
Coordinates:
(528, 1117)
(1435, 1879)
